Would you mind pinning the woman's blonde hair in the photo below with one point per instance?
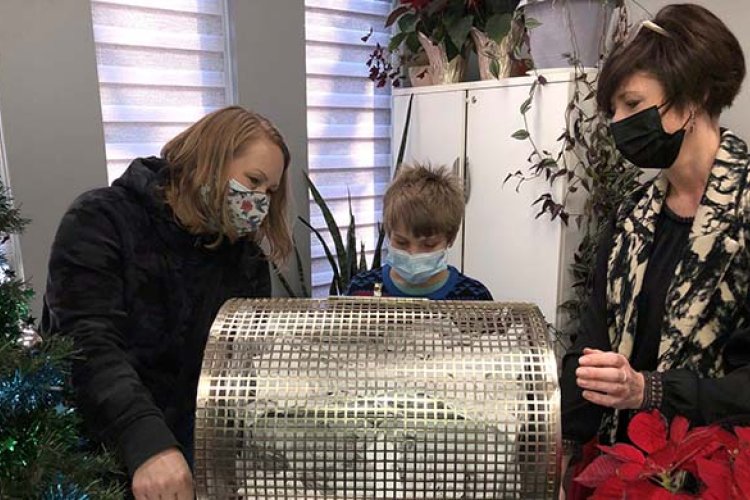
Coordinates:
(199, 158)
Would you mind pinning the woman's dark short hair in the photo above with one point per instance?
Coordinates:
(697, 61)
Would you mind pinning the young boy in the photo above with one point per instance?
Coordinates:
(422, 213)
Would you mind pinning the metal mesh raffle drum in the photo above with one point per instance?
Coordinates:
(351, 398)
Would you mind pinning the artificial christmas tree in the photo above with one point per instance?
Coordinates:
(41, 452)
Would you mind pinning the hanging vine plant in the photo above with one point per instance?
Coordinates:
(586, 159)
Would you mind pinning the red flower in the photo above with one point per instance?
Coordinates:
(246, 206)
(659, 464)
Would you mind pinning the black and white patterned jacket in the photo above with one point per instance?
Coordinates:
(704, 353)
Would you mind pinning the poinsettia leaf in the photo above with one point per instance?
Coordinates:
(741, 471)
(631, 471)
(407, 22)
(743, 436)
(598, 471)
(624, 452)
(727, 439)
(395, 14)
(717, 478)
(648, 431)
(412, 42)
(498, 26)
(459, 31)
(678, 429)
(699, 442)
(396, 41)
(664, 459)
(612, 488)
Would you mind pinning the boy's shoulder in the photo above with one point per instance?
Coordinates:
(467, 288)
(364, 282)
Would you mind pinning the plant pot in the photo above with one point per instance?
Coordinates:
(567, 27)
(441, 69)
(489, 50)
(420, 76)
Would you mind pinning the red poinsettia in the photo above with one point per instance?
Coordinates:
(709, 461)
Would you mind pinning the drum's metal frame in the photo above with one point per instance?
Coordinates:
(377, 398)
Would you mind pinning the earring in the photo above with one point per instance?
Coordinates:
(692, 120)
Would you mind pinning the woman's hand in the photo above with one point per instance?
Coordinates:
(607, 379)
(166, 475)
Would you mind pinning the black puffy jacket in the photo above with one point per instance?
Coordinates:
(137, 294)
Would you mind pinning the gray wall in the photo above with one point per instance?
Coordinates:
(269, 49)
(735, 13)
(51, 117)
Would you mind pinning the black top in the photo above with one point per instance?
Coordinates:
(137, 294)
(670, 241)
(580, 419)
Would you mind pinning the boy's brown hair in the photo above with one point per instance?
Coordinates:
(424, 201)
(199, 157)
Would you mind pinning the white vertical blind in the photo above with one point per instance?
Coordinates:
(348, 121)
(162, 65)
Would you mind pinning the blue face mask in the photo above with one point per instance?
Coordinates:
(417, 268)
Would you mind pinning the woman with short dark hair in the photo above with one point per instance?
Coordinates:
(668, 323)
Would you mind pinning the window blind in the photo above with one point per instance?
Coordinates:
(162, 66)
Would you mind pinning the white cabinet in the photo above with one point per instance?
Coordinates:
(469, 126)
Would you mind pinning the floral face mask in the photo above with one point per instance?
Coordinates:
(247, 208)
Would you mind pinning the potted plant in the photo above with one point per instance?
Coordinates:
(497, 32)
(584, 24)
(441, 29)
(589, 163)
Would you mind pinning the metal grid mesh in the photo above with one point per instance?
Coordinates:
(377, 398)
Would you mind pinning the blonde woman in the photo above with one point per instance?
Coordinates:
(138, 271)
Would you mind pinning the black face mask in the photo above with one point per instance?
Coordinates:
(642, 140)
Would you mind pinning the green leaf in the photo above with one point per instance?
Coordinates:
(451, 51)
(395, 14)
(350, 270)
(396, 41)
(378, 247)
(362, 267)
(329, 255)
(520, 134)
(407, 22)
(548, 162)
(532, 23)
(300, 270)
(498, 26)
(333, 227)
(412, 42)
(495, 68)
(526, 105)
(404, 137)
(459, 31)
(284, 283)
